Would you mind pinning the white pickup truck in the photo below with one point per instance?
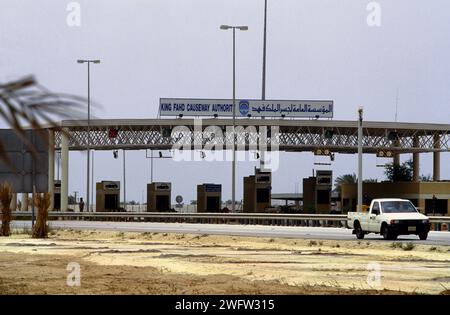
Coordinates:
(390, 218)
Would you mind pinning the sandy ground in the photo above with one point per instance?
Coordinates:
(152, 263)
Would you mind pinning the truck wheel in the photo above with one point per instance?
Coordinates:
(385, 232)
(387, 235)
(358, 231)
(423, 236)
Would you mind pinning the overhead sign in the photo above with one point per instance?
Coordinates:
(245, 108)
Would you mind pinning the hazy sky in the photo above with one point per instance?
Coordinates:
(317, 49)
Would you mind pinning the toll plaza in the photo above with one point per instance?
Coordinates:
(108, 196)
(159, 197)
(209, 198)
(389, 140)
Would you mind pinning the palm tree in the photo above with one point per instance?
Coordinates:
(400, 173)
(344, 179)
(26, 104)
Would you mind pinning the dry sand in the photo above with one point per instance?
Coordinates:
(152, 263)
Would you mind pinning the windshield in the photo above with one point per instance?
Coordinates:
(398, 207)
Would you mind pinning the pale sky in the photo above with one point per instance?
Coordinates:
(317, 49)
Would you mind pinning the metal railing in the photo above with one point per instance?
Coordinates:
(335, 220)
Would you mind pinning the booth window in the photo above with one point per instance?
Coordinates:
(323, 197)
(162, 203)
(262, 195)
(213, 204)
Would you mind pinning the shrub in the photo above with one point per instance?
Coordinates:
(409, 246)
(397, 245)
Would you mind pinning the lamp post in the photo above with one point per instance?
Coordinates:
(262, 160)
(88, 61)
(124, 183)
(360, 159)
(233, 176)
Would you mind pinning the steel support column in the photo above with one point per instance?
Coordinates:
(24, 206)
(64, 170)
(437, 159)
(13, 205)
(51, 168)
(397, 159)
(416, 161)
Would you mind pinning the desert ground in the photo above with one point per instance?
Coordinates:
(160, 263)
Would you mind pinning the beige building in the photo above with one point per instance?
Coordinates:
(420, 193)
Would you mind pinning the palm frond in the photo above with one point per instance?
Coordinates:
(25, 104)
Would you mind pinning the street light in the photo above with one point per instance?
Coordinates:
(262, 165)
(233, 176)
(82, 61)
(360, 158)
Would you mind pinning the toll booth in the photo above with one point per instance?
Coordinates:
(317, 192)
(57, 196)
(108, 196)
(257, 191)
(159, 197)
(209, 198)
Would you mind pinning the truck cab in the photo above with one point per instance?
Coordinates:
(390, 218)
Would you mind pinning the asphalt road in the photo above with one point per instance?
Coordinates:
(434, 238)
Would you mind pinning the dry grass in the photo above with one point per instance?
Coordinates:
(5, 202)
(42, 202)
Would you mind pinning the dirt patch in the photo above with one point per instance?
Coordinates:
(149, 263)
(46, 274)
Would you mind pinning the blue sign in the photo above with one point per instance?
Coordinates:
(213, 188)
(244, 107)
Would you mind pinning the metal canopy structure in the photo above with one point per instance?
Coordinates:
(294, 135)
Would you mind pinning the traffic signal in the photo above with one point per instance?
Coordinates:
(113, 133)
